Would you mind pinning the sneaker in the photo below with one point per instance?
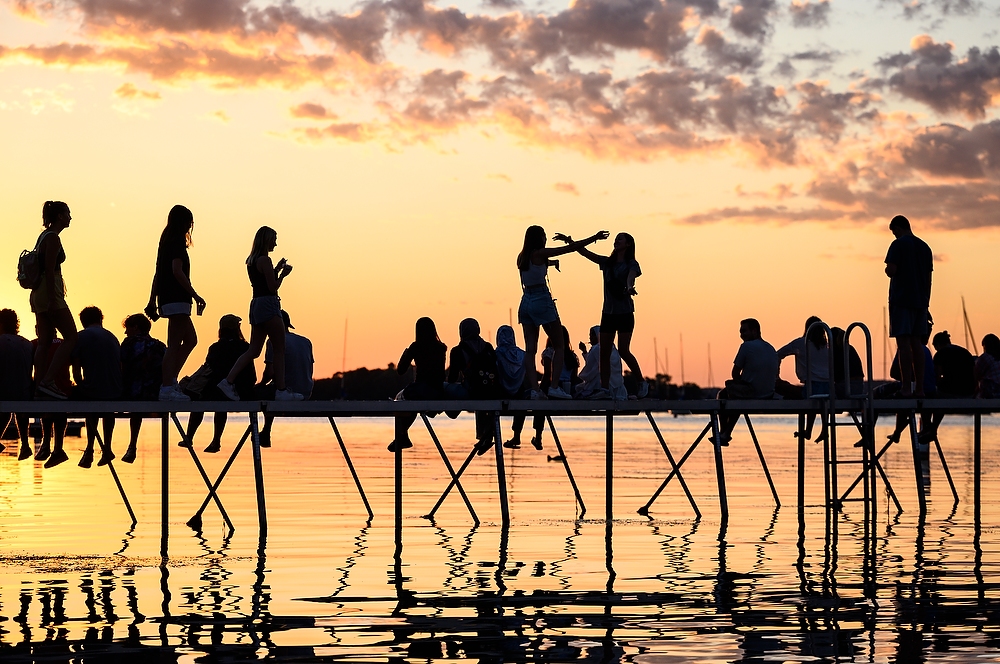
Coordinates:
(725, 440)
(264, 439)
(171, 393)
(402, 445)
(57, 458)
(50, 389)
(229, 390)
(129, 455)
(484, 446)
(286, 395)
(556, 392)
(926, 437)
(43, 452)
(513, 444)
(106, 459)
(184, 442)
(536, 442)
(87, 460)
(535, 395)
(643, 391)
(601, 393)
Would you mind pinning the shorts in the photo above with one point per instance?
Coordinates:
(40, 304)
(168, 309)
(537, 308)
(263, 309)
(623, 323)
(907, 322)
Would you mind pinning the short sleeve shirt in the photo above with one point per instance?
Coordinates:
(168, 290)
(758, 362)
(616, 300)
(99, 355)
(914, 262)
(298, 363)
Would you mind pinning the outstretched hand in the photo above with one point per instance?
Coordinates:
(602, 235)
(560, 237)
(583, 347)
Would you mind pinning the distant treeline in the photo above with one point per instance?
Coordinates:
(375, 384)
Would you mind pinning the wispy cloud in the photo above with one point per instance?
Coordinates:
(566, 188)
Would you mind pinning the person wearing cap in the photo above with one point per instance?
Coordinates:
(222, 355)
(298, 371)
(954, 371)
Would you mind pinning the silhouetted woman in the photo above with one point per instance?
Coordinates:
(48, 302)
(987, 369)
(142, 371)
(265, 315)
(427, 352)
(173, 292)
(618, 315)
(537, 308)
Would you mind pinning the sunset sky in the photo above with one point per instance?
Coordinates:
(756, 151)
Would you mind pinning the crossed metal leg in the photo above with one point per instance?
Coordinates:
(195, 521)
(114, 474)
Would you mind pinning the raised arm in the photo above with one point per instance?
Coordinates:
(552, 252)
(581, 245)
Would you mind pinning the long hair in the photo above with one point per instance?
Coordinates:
(818, 334)
(261, 243)
(534, 239)
(180, 221)
(51, 211)
(629, 250)
(426, 332)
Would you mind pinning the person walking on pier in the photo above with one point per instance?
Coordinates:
(987, 370)
(97, 370)
(48, 302)
(537, 308)
(53, 424)
(142, 372)
(298, 370)
(755, 370)
(427, 355)
(16, 360)
(909, 264)
(265, 315)
(173, 292)
(618, 314)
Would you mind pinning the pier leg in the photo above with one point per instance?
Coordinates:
(195, 521)
(454, 482)
(977, 468)
(569, 473)
(720, 471)
(947, 472)
(609, 469)
(350, 466)
(455, 479)
(118, 482)
(763, 462)
(501, 474)
(644, 510)
(398, 504)
(801, 438)
(674, 467)
(164, 483)
(258, 474)
(921, 494)
(204, 475)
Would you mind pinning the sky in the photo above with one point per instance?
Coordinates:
(756, 150)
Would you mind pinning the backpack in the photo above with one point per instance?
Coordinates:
(29, 266)
(481, 376)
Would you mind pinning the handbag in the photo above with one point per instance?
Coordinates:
(196, 382)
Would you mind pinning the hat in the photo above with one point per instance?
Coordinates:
(288, 323)
(231, 321)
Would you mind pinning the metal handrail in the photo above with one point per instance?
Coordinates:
(869, 392)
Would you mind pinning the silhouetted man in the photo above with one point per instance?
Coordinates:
(98, 372)
(909, 264)
(954, 370)
(16, 358)
(755, 370)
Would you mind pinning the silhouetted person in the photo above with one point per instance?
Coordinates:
(537, 308)
(16, 360)
(909, 264)
(987, 370)
(265, 316)
(171, 296)
(142, 371)
(894, 389)
(97, 370)
(427, 355)
(618, 315)
(222, 357)
(818, 369)
(510, 380)
(472, 374)
(755, 370)
(854, 365)
(570, 374)
(48, 302)
(298, 370)
(590, 375)
(954, 371)
(53, 424)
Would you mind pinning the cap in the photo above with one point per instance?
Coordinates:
(231, 321)
(288, 323)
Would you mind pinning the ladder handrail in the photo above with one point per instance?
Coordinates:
(831, 362)
(847, 359)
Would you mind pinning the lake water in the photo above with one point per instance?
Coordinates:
(76, 584)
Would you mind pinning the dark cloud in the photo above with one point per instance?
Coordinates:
(953, 151)
(931, 75)
(924, 8)
(828, 113)
(820, 58)
(808, 14)
(752, 18)
(726, 54)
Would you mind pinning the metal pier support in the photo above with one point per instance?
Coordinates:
(921, 494)
(569, 473)
(455, 478)
(195, 521)
(501, 473)
(350, 466)
(673, 465)
(114, 475)
(944, 466)
(644, 510)
(164, 483)
(763, 462)
(977, 468)
(720, 470)
(258, 473)
(201, 470)
(609, 469)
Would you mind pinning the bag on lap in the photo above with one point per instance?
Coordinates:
(196, 382)
(482, 374)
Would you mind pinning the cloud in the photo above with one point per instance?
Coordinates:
(312, 111)
(807, 14)
(931, 75)
(566, 188)
(129, 91)
(752, 18)
(726, 54)
(923, 8)
(220, 115)
(948, 150)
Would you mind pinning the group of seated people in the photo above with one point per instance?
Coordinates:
(104, 369)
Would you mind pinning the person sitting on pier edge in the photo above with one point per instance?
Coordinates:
(510, 380)
(818, 370)
(954, 371)
(427, 353)
(855, 366)
(142, 372)
(894, 389)
(537, 308)
(16, 361)
(265, 315)
(909, 264)
(172, 291)
(568, 379)
(472, 374)
(620, 270)
(48, 302)
(590, 376)
(203, 384)
(987, 370)
(97, 369)
(755, 371)
(298, 371)
(53, 424)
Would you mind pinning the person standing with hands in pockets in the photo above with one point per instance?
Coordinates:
(265, 315)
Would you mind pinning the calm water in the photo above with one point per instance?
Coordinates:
(76, 584)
